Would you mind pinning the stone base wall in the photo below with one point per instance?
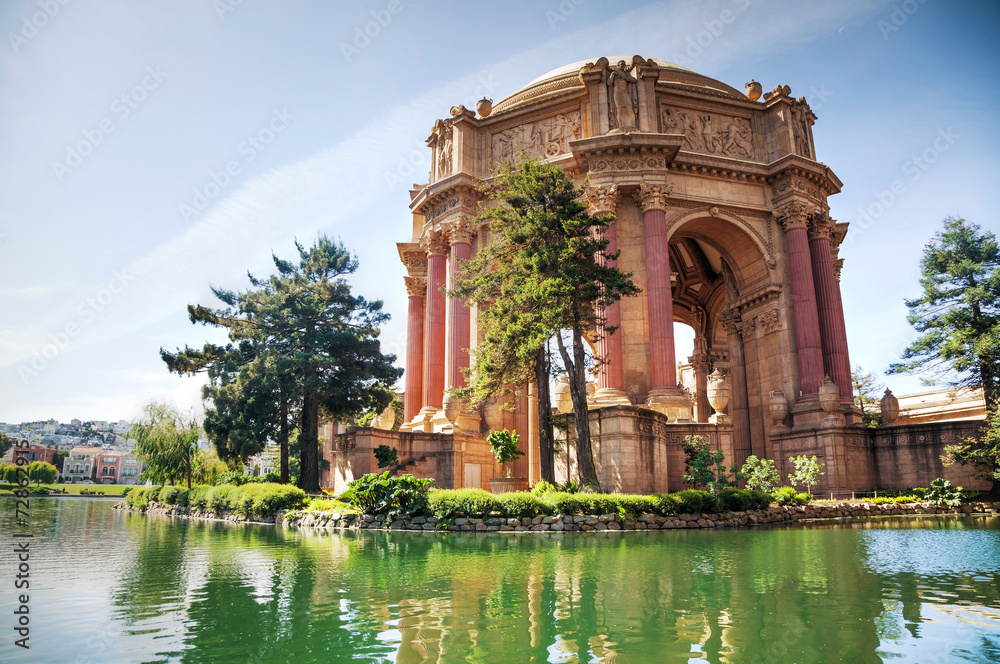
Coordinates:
(612, 522)
(452, 460)
(909, 455)
(637, 450)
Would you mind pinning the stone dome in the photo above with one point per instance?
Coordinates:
(567, 77)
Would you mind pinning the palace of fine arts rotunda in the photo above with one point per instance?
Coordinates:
(722, 218)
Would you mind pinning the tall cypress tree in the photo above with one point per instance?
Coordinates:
(544, 270)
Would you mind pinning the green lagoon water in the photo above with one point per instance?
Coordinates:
(111, 587)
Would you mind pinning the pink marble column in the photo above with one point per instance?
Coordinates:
(659, 299)
(611, 380)
(794, 218)
(833, 331)
(416, 289)
(434, 327)
(458, 314)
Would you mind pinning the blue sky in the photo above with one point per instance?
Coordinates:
(152, 149)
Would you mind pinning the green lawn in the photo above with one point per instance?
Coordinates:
(108, 489)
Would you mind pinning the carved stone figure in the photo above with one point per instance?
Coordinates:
(444, 153)
(737, 139)
(545, 138)
(622, 95)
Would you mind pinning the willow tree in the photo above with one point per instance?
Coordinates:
(314, 343)
(167, 441)
(543, 269)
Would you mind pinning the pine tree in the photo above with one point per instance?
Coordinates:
(958, 314)
(543, 270)
(313, 348)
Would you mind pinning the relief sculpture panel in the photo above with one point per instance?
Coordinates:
(709, 132)
(542, 139)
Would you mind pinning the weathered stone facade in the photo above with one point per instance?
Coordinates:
(722, 219)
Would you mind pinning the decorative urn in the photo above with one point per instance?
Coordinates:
(563, 399)
(493, 415)
(484, 107)
(718, 391)
(385, 419)
(754, 89)
(779, 407)
(829, 395)
(452, 408)
(890, 408)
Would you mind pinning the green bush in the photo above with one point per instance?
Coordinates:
(153, 494)
(741, 500)
(891, 499)
(262, 500)
(566, 503)
(217, 499)
(392, 497)
(784, 495)
(466, 503)
(542, 488)
(666, 504)
(138, 499)
(803, 498)
(168, 495)
(693, 501)
(198, 497)
(941, 492)
(519, 504)
(631, 505)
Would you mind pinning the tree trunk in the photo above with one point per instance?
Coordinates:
(581, 417)
(546, 447)
(189, 471)
(308, 441)
(283, 440)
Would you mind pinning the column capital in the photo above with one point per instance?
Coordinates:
(458, 231)
(603, 200)
(415, 286)
(653, 196)
(436, 244)
(415, 262)
(729, 318)
(795, 214)
(821, 226)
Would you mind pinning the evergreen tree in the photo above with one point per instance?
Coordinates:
(313, 342)
(866, 395)
(544, 269)
(958, 314)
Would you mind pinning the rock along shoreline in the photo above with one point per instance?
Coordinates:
(574, 523)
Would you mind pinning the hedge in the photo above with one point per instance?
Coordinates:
(260, 500)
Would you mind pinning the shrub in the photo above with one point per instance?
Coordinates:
(803, 498)
(152, 494)
(137, 499)
(891, 499)
(518, 504)
(393, 497)
(542, 488)
(264, 499)
(455, 503)
(505, 449)
(706, 468)
(168, 495)
(198, 496)
(386, 456)
(273, 477)
(217, 499)
(761, 475)
(692, 501)
(942, 492)
(784, 495)
(566, 503)
(326, 505)
(666, 504)
(571, 486)
(631, 505)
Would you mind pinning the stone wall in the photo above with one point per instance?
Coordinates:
(452, 460)
(909, 455)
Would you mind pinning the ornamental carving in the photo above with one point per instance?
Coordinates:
(795, 214)
(415, 286)
(801, 118)
(545, 138)
(821, 225)
(653, 196)
(449, 204)
(442, 146)
(651, 427)
(704, 132)
(746, 328)
(435, 244)
(415, 261)
(770, 321)
(603, 200)
(458, 231)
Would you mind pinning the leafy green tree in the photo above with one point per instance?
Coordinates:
(760, 474)
(867, 389)
(41, 472)
(807, 471)
(60, 459)
(207, 466)
(707, 468)
(544, 269)
(981, 452)
(504, 446)
(958, 314)
(313, 341)
(8, 473)
(166, 441)
(5, 443)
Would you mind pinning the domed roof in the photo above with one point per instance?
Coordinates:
(568, 76)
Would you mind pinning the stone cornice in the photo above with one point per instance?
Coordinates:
(438, 192)
(626, 158)
(767, 292)
(815, 172)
